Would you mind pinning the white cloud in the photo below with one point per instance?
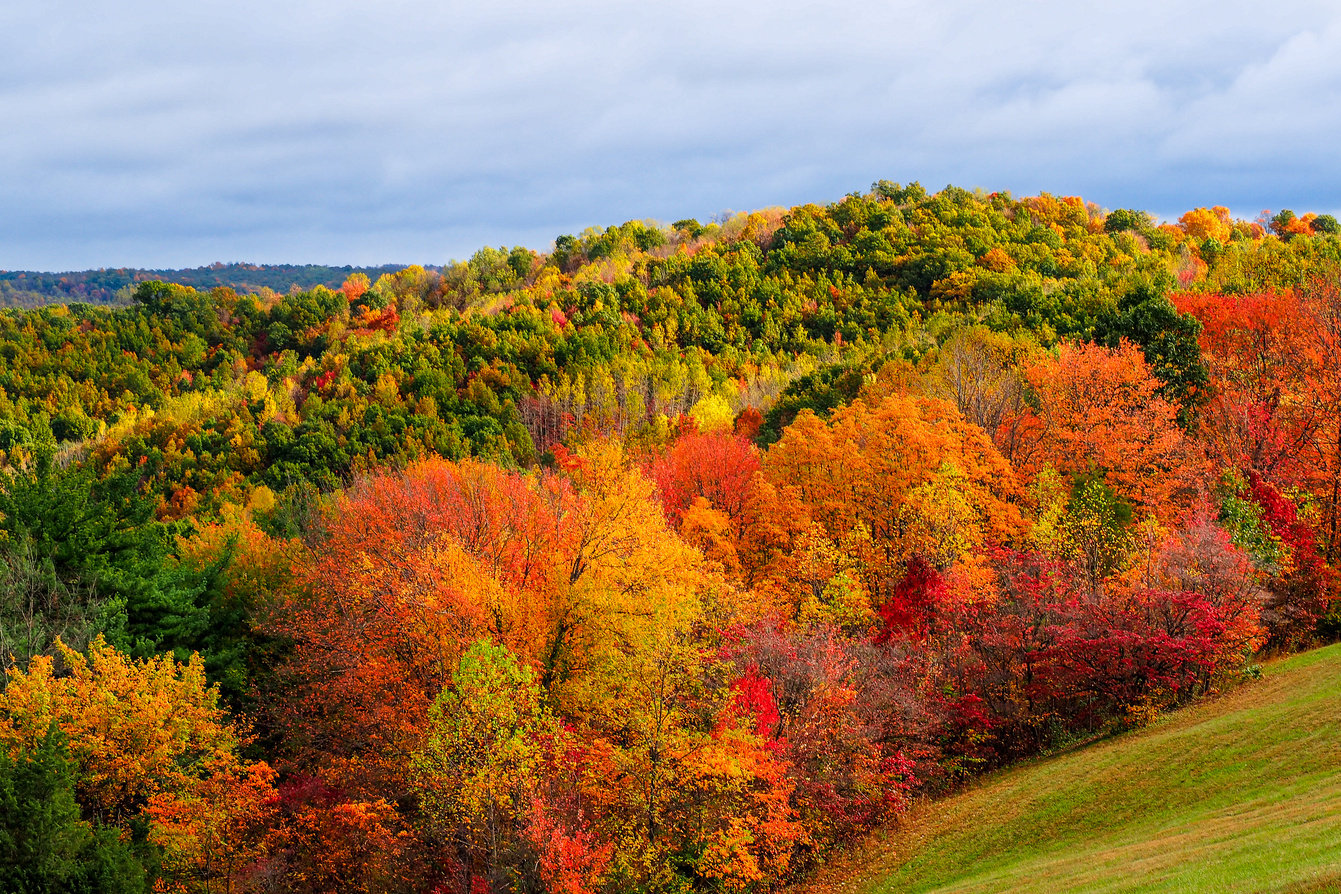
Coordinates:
(170, 134)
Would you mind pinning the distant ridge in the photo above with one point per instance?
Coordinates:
(25, 288)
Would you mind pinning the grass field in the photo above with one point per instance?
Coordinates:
(1237, 794)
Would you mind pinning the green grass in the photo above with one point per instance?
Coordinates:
(1237, 794)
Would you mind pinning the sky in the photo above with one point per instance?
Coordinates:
(152, 134)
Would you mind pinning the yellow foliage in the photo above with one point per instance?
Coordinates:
(1208, 223)
(709, 530)
(827, 576)
(712, 413)
(148, 739)
(254, 386)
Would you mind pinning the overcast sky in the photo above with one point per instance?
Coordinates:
(172, 134)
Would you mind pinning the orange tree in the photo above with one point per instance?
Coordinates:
(151, 747)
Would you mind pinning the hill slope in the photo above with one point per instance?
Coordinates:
(1239, 794)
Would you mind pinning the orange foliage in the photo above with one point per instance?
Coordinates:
(1257, 348)
(1100, 411)
(321, 842)
(904, 469)
(150, 741)
(1275, 364)
(997, 260)
(666, 780)
(712, 489)
(354, 286)
(1050, 210)
(1208, 223)
(417, 565)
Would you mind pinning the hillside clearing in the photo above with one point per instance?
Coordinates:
(1240, 794)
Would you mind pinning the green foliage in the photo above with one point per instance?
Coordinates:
(210, 394)
(84, 556)
(45, 846)
(821, 392)
(1126, 219)
(37, 606)
(68, 533)
(1327, 225)
(479, 765)
(1144, 316)
(1241, 516)
(1087, 524)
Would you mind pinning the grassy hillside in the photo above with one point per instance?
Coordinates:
(1240, 794)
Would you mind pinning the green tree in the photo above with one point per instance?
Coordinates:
(1168, 339)
(480, 762)
(45, 847)
(69, 532)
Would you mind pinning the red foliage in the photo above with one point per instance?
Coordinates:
(748, 423)
(569, 461)
(719, 466)
(1041, 657)
(754, 698)
(1156, 648)
(1275, 362)
(837, 705)
(414, 567)
(572, 858)
(323, 381)
(914, 605)
(1301, 597)
(1280, 514)
(323, 841)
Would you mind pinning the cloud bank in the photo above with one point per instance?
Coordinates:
(148, 133)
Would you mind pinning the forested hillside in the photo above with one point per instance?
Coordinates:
(662, 562)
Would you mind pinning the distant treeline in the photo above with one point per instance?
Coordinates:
(25, 288)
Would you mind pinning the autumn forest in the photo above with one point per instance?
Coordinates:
(666, 561)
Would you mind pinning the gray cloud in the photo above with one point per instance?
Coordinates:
(165, 134)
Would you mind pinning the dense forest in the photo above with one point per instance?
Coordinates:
(25, 288)
(665, 561)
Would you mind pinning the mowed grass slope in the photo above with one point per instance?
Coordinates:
(1237, 794)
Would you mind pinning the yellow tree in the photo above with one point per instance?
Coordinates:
(677, 768)
(478, 769)
(150, 744)
(1208, 223)
(629, 578)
